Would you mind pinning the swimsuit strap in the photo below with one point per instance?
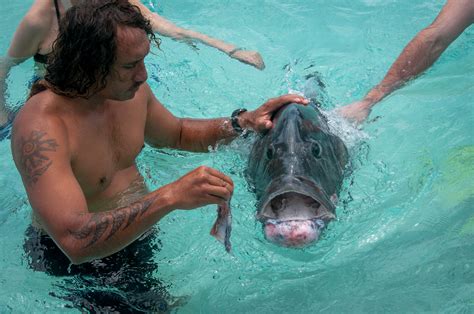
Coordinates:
(56, 5)
(40, 58)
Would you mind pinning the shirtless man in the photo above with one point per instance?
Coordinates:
(420, 53)
(76, 139)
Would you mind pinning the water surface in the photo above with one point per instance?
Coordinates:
(403, 241)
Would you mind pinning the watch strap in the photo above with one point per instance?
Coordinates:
(234, 120)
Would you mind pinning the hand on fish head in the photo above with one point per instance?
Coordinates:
(260, 119)
(298, 176)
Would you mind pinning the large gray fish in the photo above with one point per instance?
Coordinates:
(297, 169)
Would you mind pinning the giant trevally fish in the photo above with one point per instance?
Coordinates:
(297, 170)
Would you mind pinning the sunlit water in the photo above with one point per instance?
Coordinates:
(404, 237)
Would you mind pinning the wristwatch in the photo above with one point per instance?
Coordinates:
(234, 120)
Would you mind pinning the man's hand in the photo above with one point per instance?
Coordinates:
(357, 111)
(261, 119)
(249, 57)
(200, 187)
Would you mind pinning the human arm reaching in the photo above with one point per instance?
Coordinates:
(420, 53)
(168, 29)
(165, 130)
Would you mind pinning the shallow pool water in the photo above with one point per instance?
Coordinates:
(404, 237)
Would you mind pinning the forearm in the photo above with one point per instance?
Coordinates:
(209, 41)
(96, 235)
(426, 47)
(169, 29)
(415, 58)
(199, 134)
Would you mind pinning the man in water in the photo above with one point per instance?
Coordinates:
(420, 53)
(76, 139)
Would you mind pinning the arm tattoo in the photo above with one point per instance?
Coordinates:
(33, 160)
(112, 221)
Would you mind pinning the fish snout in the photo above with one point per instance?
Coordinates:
(293, 233)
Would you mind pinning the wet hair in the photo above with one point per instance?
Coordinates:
(86, 47)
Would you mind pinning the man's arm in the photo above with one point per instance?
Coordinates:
(168, 29)
(165, 130)
(42, 155)
(420, 53)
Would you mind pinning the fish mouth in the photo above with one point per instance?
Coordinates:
(293, 233)
(295, 198)
(295, 213)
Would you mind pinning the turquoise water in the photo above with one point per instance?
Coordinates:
(404, 238)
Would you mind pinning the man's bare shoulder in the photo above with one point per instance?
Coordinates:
(39, 136)
(42, 112)
(44, 102)
(143, 99)
(145, 92)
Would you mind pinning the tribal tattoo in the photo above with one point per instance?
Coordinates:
(112, 221)
(33, 160)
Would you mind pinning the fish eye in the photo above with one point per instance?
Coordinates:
(317, 149)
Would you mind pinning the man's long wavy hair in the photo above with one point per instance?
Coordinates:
(86, 46)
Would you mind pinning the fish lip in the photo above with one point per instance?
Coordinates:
(304, 186)
(320, 223)
(319, 226)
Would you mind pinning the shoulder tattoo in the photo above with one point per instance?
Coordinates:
(33, 160)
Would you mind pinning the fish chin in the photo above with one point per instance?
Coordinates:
(293, 219)
(293, 233)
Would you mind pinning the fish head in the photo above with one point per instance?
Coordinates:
(301, 144)
(297, 170)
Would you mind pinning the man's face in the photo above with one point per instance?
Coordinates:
(128, 72)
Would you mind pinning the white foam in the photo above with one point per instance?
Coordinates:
(349, 132)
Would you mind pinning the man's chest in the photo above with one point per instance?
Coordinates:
(104, 150)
